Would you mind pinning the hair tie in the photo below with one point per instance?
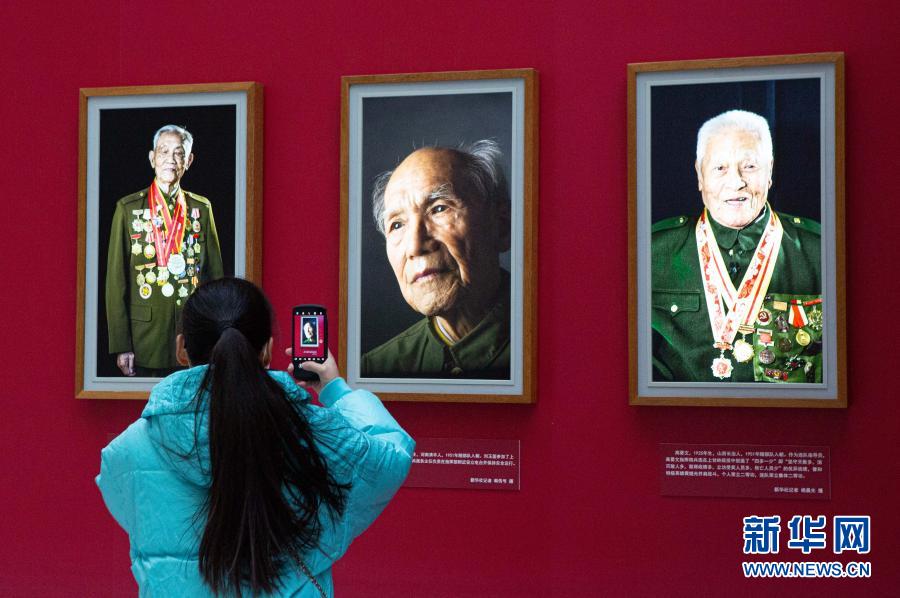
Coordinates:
(224, 325)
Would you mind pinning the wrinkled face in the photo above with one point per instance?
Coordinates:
(734, 177)
(169, 159)
(443, 241)
(308, 330)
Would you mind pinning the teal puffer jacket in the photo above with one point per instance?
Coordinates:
(155, 493)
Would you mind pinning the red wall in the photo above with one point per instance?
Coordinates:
(589, 519)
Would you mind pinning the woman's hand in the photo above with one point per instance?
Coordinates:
(327, 371)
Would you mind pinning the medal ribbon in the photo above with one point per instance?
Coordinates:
(174, 224)
(744, 302)
(798, 314)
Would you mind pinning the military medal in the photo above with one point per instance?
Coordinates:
(151, 277)
(136, 248)
(147, 226)
(182, 291)
(781, 323)
(803, 338)
(176, 264)
(196, 226)
(168, 290)
(145, 291)
(764, 337)
(815, 319)
(743, 302)
(136, 225)
(743, 351)
(140, 279)
(766, 356)
(785, 344)
(149, 251)
(197, 248)
(764, 316)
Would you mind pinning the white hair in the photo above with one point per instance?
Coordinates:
(481, 167)
(735, 119)
(186, 138)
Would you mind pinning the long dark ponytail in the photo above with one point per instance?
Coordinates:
(269, 481)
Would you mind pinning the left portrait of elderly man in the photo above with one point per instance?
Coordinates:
(737, 289)
(163, 243)
(444, 213)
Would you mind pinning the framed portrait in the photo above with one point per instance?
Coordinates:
(736, 232)
(439, 235)
(169, 196)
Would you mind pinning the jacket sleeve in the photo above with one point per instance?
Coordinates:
(116, 479)
(382, 454)
(214, 268)
(117, 298)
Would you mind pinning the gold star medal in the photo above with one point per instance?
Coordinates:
(145, 291)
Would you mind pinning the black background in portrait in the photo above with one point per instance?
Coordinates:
(393, 127)
(791, 106)
(126, 138)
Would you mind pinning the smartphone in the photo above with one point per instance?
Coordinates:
(309, 331)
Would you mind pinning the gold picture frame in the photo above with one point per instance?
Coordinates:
(802, 98)
(116, 129)
(383, 119)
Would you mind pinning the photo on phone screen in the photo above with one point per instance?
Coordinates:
(309, 335)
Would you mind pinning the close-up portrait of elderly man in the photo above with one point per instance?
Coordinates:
(736, 291)
(163, 243)
(445, 217)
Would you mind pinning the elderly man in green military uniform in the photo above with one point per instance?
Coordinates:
(736, 292)
(163, 243)
(445, 215)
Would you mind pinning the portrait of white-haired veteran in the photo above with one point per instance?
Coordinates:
(163, 243)
(736, 291)
(444, 213)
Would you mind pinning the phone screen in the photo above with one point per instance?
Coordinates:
(309, 334)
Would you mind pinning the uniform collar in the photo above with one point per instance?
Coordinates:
(746, 238)
(478, 349)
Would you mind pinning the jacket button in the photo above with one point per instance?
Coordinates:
(674, 308)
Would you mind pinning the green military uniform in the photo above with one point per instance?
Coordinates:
(420, 352)
(141, 321)
(682, 336)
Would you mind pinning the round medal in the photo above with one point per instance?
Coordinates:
(149, 251)
(743, 351)
(766, 356)
(136, 248)
(784, 345)
(176, 264)
(140, 279)
(721, 368)
(147, 226)
(803, 338)
(196, 226)
(145, 291)
(764, 316)
(168, 290)
(151, 277)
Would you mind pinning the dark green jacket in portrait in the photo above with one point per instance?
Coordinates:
(682, 336)
(146, 325)
(419, 352)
